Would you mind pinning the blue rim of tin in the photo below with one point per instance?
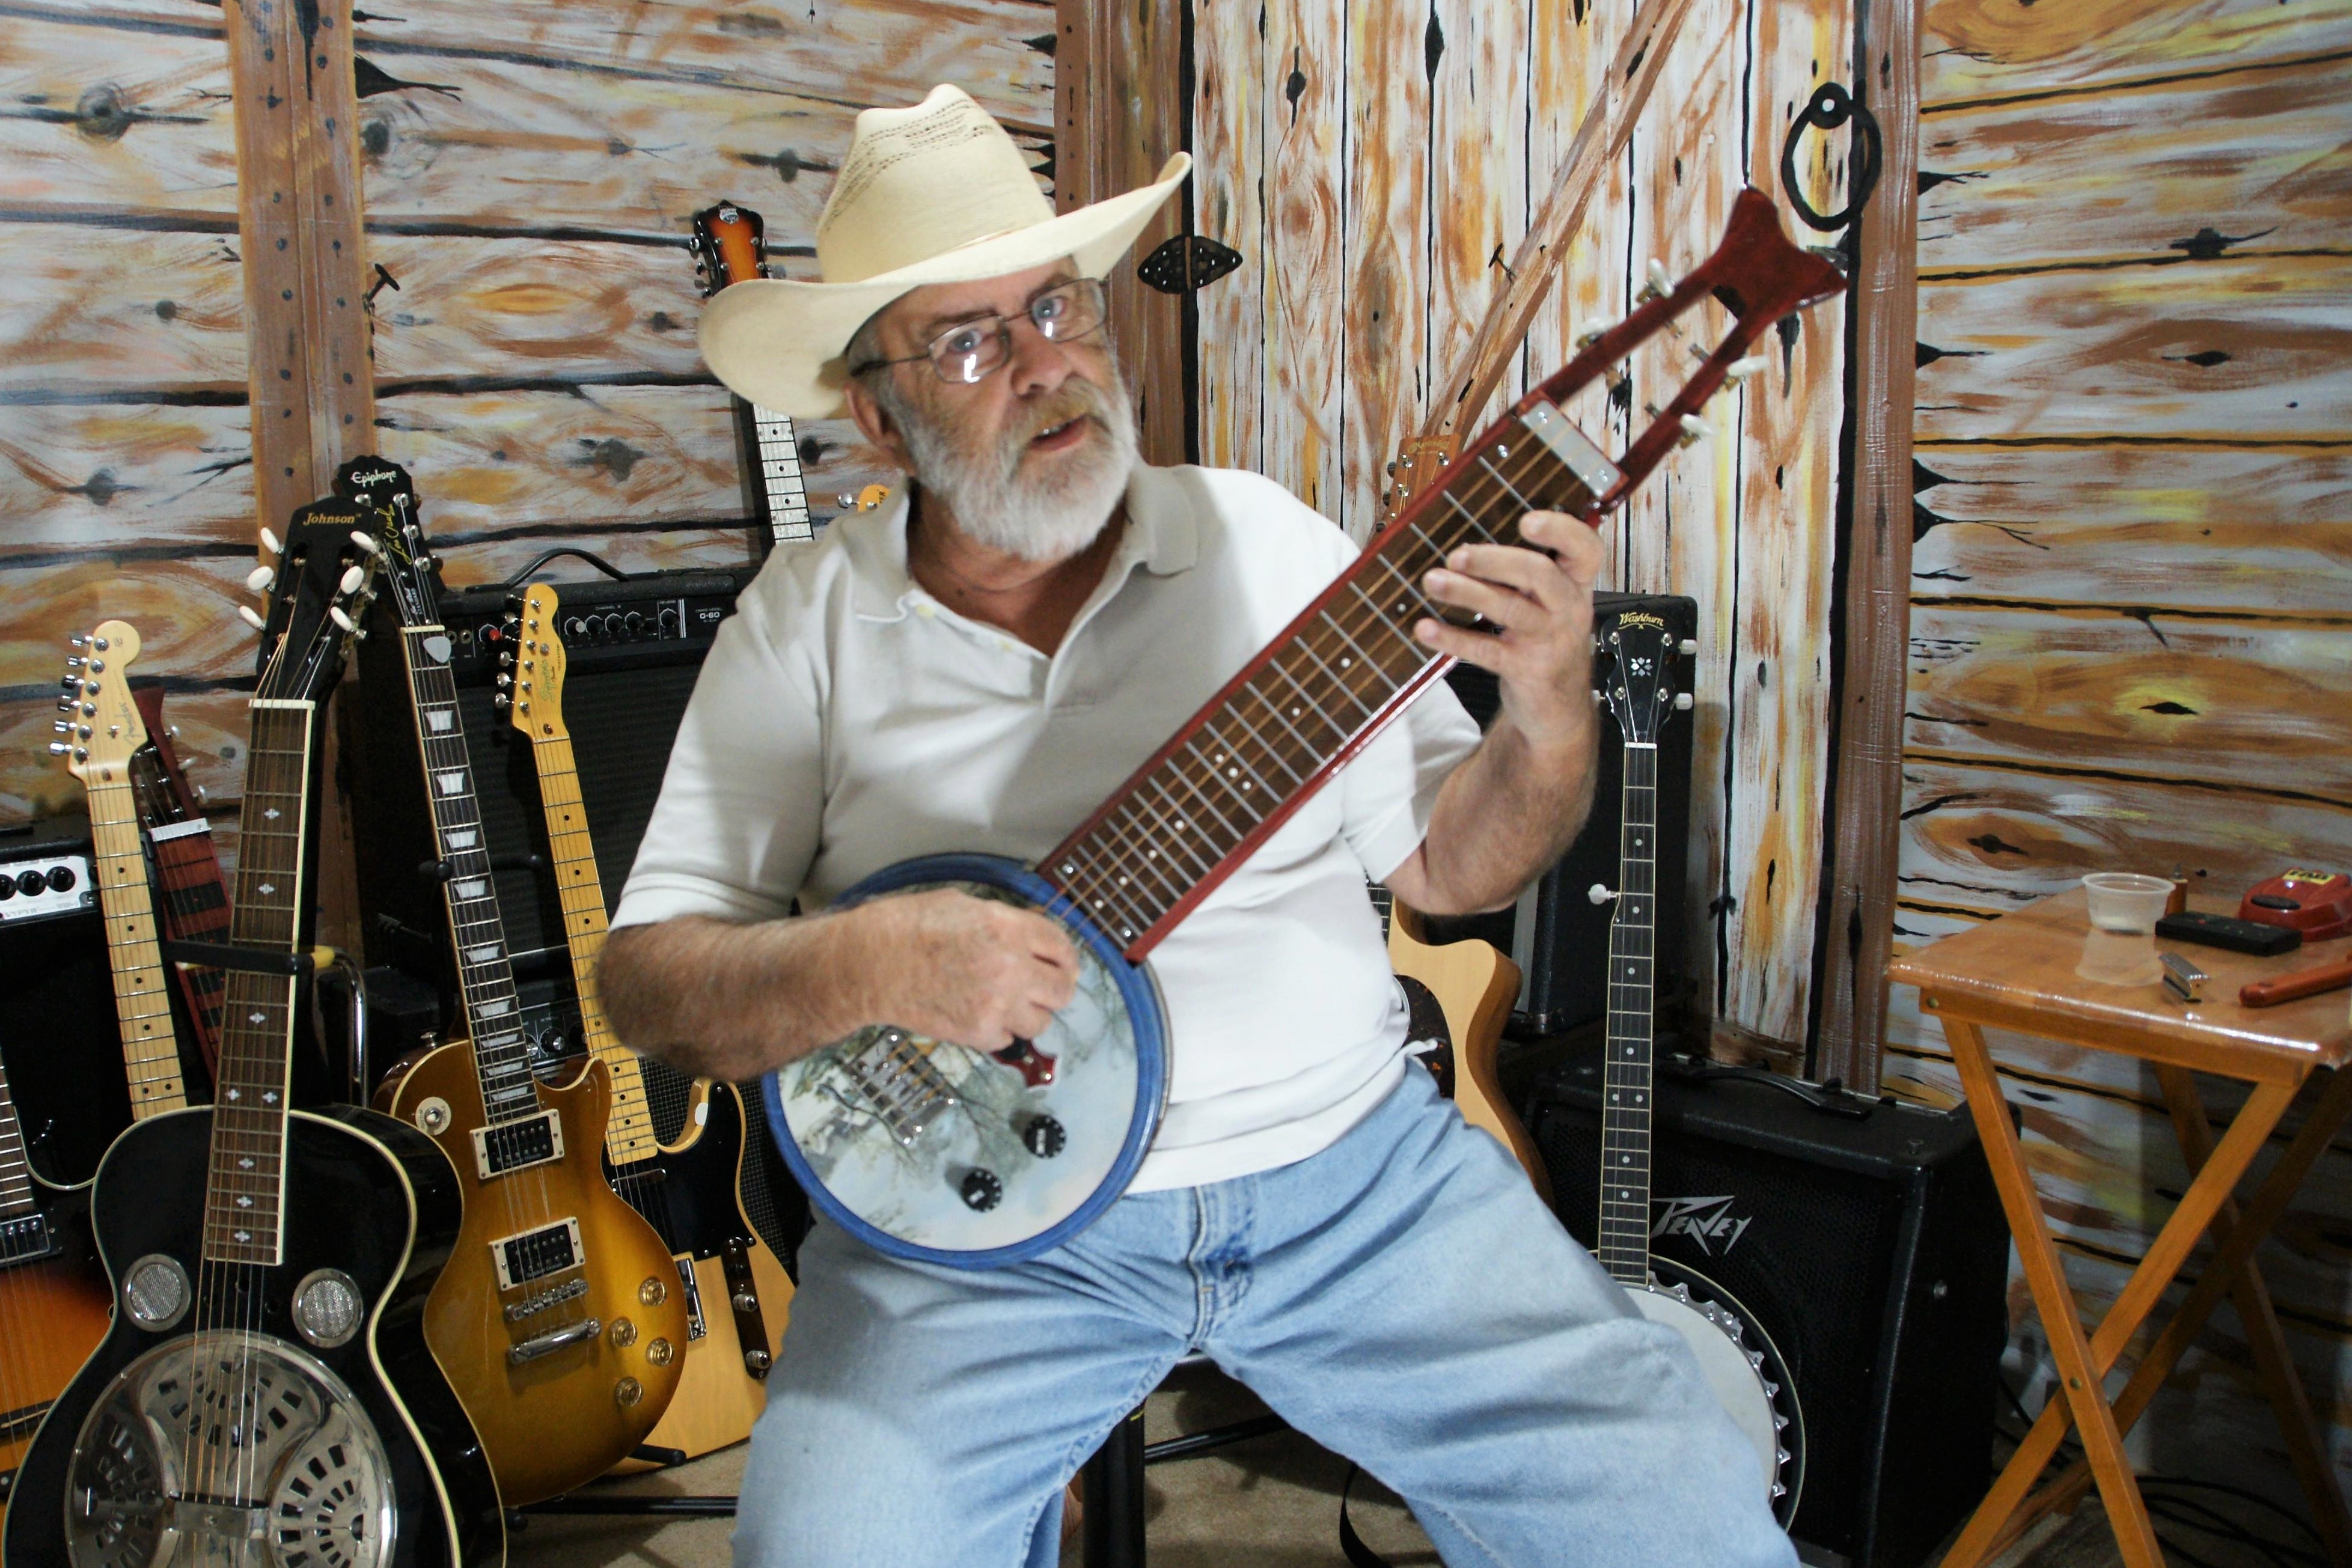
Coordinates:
(1144, 1017)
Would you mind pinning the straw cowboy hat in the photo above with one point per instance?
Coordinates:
(935, 194)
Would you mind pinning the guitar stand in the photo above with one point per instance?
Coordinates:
(636, 1505)
(311, 963)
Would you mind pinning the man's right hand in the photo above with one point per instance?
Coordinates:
(974, 971)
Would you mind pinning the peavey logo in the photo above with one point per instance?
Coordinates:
(1705, 1220)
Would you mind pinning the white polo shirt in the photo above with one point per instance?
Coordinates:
(847, 720)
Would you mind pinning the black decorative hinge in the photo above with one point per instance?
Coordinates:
(1186, 263)
(1831, 106)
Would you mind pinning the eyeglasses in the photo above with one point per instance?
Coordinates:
(968, 352)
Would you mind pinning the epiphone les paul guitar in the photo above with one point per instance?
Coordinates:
(1742, 1364)
(929, 1149)
(54, 1302)
(265, 1397)
(737, 1294)
(559, 1318)
(730, 245)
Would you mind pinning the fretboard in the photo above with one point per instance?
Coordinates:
(783, 493)
(629, 1130)
(142, 1007)
(1625, 1088)
(15, 1166)
(246, 1184)
(1345, 667)
(484, 975)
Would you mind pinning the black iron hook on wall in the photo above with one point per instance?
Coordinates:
(1830, 107)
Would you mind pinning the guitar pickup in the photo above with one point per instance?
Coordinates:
(26, 1237)
(507, 1147)
(536, 1254)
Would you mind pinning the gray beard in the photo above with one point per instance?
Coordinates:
(1048, 518)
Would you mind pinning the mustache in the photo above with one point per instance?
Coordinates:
(1073, 398)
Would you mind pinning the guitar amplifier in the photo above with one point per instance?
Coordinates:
(1556, 934)
(632, 648)
(1867, 1239)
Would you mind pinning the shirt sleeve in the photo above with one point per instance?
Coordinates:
(743, 801)
(1388, 792)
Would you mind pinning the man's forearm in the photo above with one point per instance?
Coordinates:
(731, 1000)
(1502, 818)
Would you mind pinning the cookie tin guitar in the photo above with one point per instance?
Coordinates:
(927, 1149)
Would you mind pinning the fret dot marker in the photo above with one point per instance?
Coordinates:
(269, 1096)
(265, 889)
(234, 1093)
(245, 1165)
(257, 1017)
(245, 1203)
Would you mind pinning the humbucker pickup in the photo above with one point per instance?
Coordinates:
(536, 1254)
(507, 1147)
(24, 1238)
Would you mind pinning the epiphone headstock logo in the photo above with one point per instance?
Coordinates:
(368, 478)
(1641, 618)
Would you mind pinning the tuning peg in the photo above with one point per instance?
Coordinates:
(1695, 430)
(503, 680)
(77, 641)
(71, 683)
(58, 749)
(62, 727)
(1600, 895)
(269, 542)
(66, 705)
(1661, 282)
(1688, 647)
(1740, 370)
(261, 578)
(351, 578)
(501, 701)
(98, 643)
(1682, 702)
(335, 613)
(73, 661)
(246, 614)
(1594, 333)
(172, 731)
(366, 541)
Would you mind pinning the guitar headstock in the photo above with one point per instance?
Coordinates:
(1756, 274)
(1637, 651)
(730, 246)
(410, 573)
(318, 592)
(101, 727)
(533, 659)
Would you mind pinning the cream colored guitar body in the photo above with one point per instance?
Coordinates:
(1475, 985)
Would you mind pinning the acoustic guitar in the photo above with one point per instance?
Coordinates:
(737, 1294)
(265, 1395)
(559, 1318)
(931, 1150)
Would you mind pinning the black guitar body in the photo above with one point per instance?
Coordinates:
(368, 1197)
(688, 1193)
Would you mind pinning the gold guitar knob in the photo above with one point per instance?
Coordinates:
(623, 1332)
(658, 1352)
(627, 1392)
(653, 1292)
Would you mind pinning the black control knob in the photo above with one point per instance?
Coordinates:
(7, 888)
(29, 883)
(61, 879)
(612, 626)
(1044, 1138)
(982, 1191)
(668, 625)
(575, 626)
(634, 624)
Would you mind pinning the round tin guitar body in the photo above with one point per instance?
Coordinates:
(937, 1152)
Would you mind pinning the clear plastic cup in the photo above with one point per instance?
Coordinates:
(2126, 901)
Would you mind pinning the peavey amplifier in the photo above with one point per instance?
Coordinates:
(1556, 934)
(632, 648)
(1867, 1237)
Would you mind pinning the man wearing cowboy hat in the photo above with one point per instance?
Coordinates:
(976, 666)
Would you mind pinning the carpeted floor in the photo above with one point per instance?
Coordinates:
(1274, 1502)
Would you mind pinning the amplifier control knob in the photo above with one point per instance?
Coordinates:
(634, 624)
(575, 626)
(7, 888)
(670, 622)
(29, 883)
(61, 878)
(612, 624)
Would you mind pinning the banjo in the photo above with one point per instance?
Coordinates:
(927, 1149)
(1742, 1365)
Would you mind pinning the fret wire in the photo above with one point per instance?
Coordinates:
(1371, 709)
(1225, 779)
(1264, 746)
(1274, 708)
(1174, 843)
(1240, 802)
(1139, 903)
(1141, 853)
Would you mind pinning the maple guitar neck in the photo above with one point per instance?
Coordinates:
(538, 710)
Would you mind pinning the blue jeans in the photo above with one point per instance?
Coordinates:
(1402, 1298)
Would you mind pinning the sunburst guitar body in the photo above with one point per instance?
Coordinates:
(52, 1316)
(564, 1369)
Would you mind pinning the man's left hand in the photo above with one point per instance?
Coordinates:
(1543, 605)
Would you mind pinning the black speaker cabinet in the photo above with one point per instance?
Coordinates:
(1867, 1237)
(1557, 934)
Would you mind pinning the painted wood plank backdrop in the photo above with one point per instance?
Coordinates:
(2132, 595)
(527, 174)
(1376, 175)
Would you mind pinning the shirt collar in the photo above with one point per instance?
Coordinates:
(1162, 535)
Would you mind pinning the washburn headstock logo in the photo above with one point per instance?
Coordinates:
(1641, 618)
(1705, 1220)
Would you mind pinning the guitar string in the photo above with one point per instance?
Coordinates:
(1092, 885)
(1624, 1230)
